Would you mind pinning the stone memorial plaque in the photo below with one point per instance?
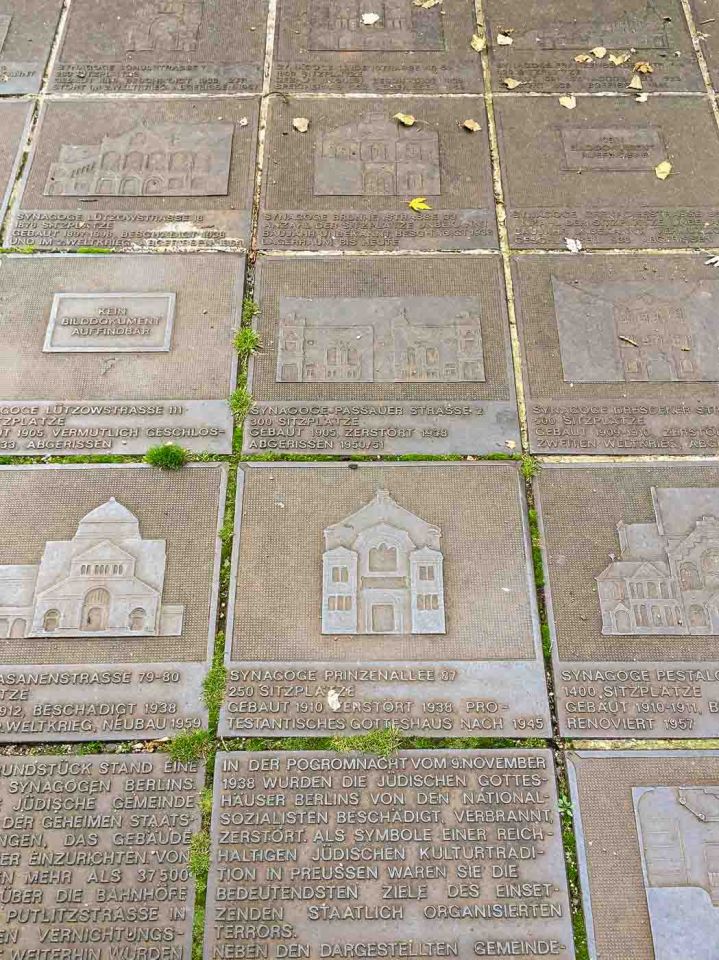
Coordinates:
(589, 173)
(15, 123)
(108, 599)
(366, 595)
(382, 356)
(179, 46)
(547, 37)
(324, 45)
(95, 853)
(110, 345)
(705, 13)
(442, 853)
(647, 825)
(632, 554)
(347, 182)
(140, 174)
(620, 354)
(27, 29)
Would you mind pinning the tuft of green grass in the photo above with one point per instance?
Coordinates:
(240, 402)
(536, 548)
(167, 456)
(199, 858)
(189, 745)
(94, 250)
(87, 749)
(250, 310)
(205, 803)
(383, 742)
(213, 686)
(246, 341)
(530, 466)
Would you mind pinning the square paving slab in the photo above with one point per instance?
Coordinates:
(27, 29)
(632, 561)
(442, 853)
(647, 827)
(143, 46)
(95, 853)
(547, 37)
(620, 354)
(589, 173)
(705, 17)
(140, 174)
(14, 121)
(322, 45)
(109, 344)
(363, 595)
(376, 355)
(108, 596)
(346, 183)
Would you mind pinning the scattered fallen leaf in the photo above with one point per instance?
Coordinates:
(598, 52)
(504, 40)
(478, 42)
(569, 102)
(663, 169)
(419, 203)
(712, 262)
(629, 340)
(369, 18)
(301, 124)
(510, 443)
(642, 97)
(574, 246)
(619, 58)
(426, 4)
(584, 58)
(636, 83)
(333, 700)
(406, 119)
(242, 122)
(511, 83)
(643, 66)
(471, 125)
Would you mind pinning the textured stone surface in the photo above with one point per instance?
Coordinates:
(108, 605)
(27, 28)
(421, 852)
(402, 633)
(15, 118)
(385, 356)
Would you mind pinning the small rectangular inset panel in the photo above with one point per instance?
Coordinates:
(620, 354)
(14, 122)
(403, 870)
(647, 825)
(363, 595)
(547, 38)
(108, 599)
(323, 45)
(140, 174)
(27, 29)
(632, 562)
(146, 46)
(99, 354)
(97, 850)
(347, 182)
(597, 180)
(382, 356)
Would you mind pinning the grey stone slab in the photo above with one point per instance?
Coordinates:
(647, 838)
(364, 595)
(547, 37)
(704, 13)
(630, 551)
(96, 851)
(108, 599)
(389, 355)
(140, 174)
(347, 182)
(146, 46)
(620, 354)
(98, 354)
(423, 853)
(27, 29)
(15, 120)
(326, 47)
(589, 174)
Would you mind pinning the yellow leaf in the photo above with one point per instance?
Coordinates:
(584, 58)
(619, 58)
(471, 125)
(569, 102)
(663, 169)
(636, 83)
(406, 119)
(419, 203)
(301, 124)
(504, 40)
(478, 42)
(599, 52)
(511, 83)
(369, 18)
(642, 66)
(426, 4)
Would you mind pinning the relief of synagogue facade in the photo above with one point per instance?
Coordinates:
(168, 25)
(647, 28)
(107, 581)
(337, 25)
(382, 573)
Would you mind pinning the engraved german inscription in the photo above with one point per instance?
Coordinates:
(95, 854)
(440, 853)
(111, 322)
(385, 623)
(612, 148)
(27, 30)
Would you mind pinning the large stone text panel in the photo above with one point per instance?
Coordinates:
(27, 29)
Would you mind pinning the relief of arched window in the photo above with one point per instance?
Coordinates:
(383, 559)
(51, 620)
(138, 618)
(689, 577)
(96, 610)
(623, 622)
(111, 160)
(710, 562)
(698, 616)
(157, 161)
(134, 161)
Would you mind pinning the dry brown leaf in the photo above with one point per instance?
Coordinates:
(643, 66)
(598, 52)
(478, 42)
(619, 58)
(642, 97)
(584, 58)
(663, 169)
(569, 102)
(406, 119)
(471, 125)
(301, 124)
(426, 4)
(511, 83)
(504, 40)
(636, 83)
